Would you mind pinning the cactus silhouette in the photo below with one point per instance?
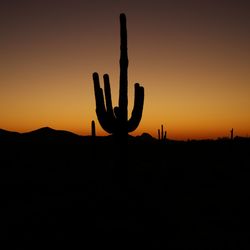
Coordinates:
(93, 133)
(232, 133)
(115, 120)
(162, 135)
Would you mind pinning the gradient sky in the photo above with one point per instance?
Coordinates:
(192, 57)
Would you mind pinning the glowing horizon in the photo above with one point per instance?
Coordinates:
(192, 59)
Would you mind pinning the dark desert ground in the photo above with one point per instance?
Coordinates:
(175, 194)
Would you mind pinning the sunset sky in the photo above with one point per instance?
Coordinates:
(192, 57)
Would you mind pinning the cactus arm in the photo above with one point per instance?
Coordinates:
(123, 91)
(137, 110)
(100, 107)
(101, 112)
(108, 98)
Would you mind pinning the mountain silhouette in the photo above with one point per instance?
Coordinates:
(4, 133)
(44, 134)
(49, 132)
(9, 136)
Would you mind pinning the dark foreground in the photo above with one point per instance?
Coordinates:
(190, 195)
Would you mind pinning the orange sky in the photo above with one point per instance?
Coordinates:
(192, 58)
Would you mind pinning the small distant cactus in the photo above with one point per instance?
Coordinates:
(232, 133)
(115, 120)
(162, 135)
(93, 132)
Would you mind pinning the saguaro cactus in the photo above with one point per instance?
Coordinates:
(232, 133)
(115, 121)
(93, 133)
(162, 135)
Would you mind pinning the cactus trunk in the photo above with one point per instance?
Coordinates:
(123, 95)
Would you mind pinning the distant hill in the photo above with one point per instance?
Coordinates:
(7, 132)
(6, 135)
(49, 132)
(146, 138)
(44, 134)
